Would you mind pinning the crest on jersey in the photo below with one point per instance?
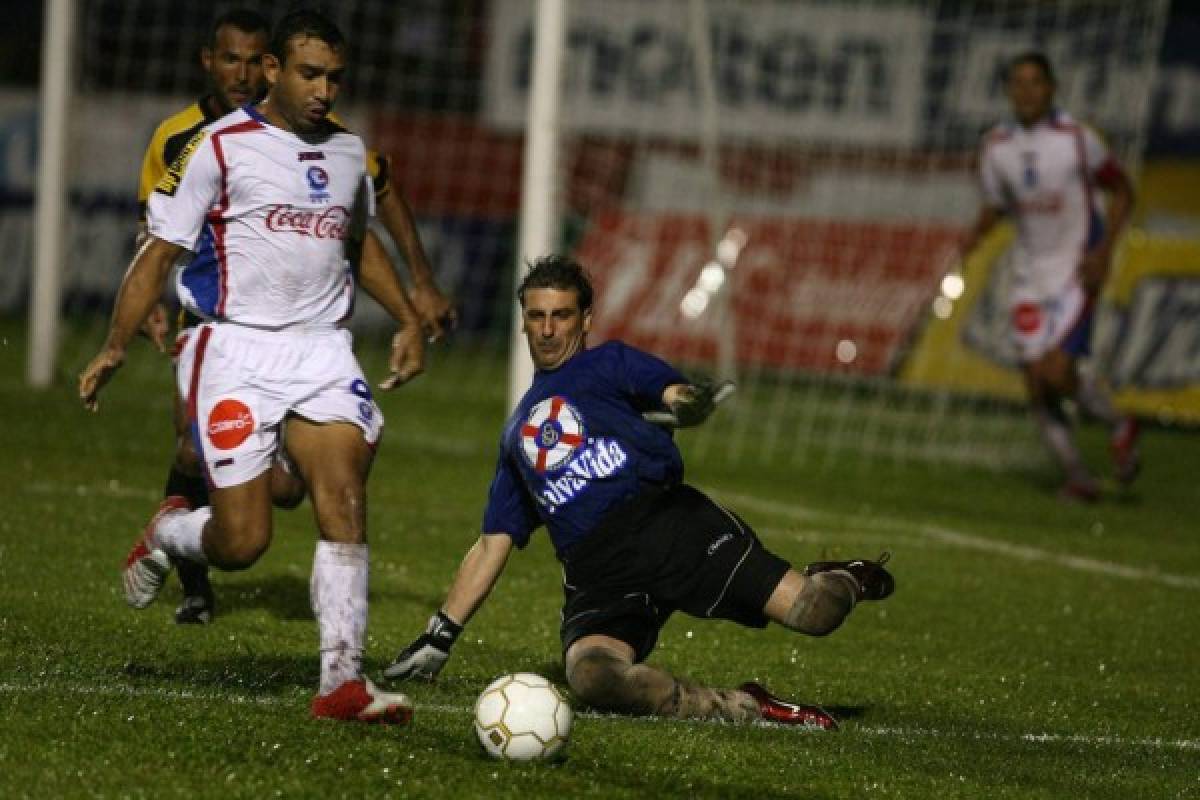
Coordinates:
(552, 433)
(318, 182)
(170, 179)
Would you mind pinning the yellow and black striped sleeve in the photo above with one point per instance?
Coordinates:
(168, 141)
(380, 170)
(378, 165)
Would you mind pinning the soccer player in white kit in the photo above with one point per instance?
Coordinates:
(1045, 170)
(276, 194)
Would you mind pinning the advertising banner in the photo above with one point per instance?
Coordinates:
(807, 295)
(781, 69)
(869, 74)
(1146, 341)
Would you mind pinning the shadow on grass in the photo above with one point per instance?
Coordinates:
(283, 596)
(286, 597)
(237, 672)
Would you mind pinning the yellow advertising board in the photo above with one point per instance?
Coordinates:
(1147, 339)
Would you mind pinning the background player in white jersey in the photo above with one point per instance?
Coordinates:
(232, 61)
(268, 199)
(580, 456)
(1045, 171)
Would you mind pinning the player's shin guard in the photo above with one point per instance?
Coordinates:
(688, 701)
(610, 683)
(339, 601)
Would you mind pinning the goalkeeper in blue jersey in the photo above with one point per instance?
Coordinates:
(581, 456)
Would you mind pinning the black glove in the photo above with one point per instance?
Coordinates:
(695, 403)
(426, 656)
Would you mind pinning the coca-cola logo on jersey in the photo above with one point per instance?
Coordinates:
(329, 223)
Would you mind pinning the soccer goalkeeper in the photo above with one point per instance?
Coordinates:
(589, 454)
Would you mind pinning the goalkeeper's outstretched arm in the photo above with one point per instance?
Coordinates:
(478, 573)
(690, 404)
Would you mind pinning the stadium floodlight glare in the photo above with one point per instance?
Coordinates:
(694, 303)
(712, 277)
(730, 247)
(953, 286)
(943, 307)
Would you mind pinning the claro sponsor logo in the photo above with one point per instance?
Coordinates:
(329, 223)
(229, 424)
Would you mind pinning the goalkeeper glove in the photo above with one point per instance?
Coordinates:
(696, 402)
(427, 654)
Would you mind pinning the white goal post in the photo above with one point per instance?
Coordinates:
(50, 215)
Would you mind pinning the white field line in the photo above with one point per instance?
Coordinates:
(953, 538)
(1118, 742)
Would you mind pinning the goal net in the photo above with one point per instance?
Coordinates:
(772, 191)
(763, 189)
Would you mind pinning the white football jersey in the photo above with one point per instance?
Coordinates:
(266, 214)
(1045, 177)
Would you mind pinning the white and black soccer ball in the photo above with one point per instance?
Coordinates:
(522, 717)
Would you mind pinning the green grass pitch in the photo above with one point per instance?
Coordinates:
(1032, 650)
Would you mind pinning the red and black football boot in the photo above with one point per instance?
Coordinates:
(774, 709)
(874, 582)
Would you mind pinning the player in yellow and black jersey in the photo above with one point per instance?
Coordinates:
(232, 60)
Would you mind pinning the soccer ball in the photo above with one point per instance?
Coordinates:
(522, 717)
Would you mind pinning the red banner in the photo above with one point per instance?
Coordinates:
(809, 295)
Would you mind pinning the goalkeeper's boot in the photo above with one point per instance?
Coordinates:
(1125, 455)
(874, 582)
(361, 700)
(198, 601)
(147, 566)
(774, 709)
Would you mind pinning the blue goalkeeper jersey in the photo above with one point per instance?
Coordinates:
(577, 445)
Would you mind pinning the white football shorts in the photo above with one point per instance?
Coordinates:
(1060, 322)
(239, 383)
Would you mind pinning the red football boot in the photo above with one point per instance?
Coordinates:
(773, 709)
(361, 700)
(146, 566)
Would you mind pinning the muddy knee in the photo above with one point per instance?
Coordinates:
(823, 603)
(597, 676)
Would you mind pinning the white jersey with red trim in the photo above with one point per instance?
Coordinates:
(1045, 177)
(266, 214)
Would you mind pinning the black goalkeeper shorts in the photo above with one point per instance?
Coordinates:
(668, 549)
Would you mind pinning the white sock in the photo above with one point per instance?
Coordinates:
(339, 600)
(1096, 401)
(181, 535)
(1056, 433)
